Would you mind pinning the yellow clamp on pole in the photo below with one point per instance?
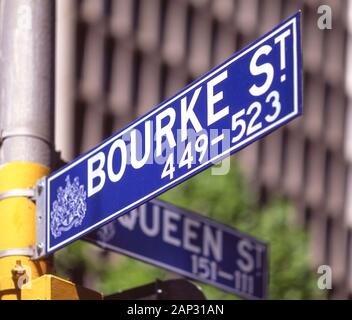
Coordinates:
(18, 230)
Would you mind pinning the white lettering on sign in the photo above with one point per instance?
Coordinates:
(170, 227)
(176, 230)
(97, 173)
(199, 110)
(153, 229)
(281, 39)
(251, 256)
(165, 130)
(265, 68)
(190, 234)
(139, 163)
(215, 98)
(189, 115)
(129, 221)
(246, 262)
(212, 243)
(117, 145)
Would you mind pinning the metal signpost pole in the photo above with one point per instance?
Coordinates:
(27, 96)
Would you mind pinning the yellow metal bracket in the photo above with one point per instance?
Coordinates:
(49, 287)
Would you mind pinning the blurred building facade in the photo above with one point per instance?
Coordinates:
(117, 59)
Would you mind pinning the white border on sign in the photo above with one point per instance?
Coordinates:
(293, 21)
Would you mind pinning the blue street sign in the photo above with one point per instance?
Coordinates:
(191, 245)
(256, 91)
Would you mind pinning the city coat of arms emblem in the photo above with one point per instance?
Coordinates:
(69, 208)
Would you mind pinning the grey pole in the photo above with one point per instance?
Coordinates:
(27, 78)
(65, 78)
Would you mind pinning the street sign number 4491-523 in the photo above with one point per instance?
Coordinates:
(248, 96)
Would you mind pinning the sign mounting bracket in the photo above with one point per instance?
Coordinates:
(40, 196)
